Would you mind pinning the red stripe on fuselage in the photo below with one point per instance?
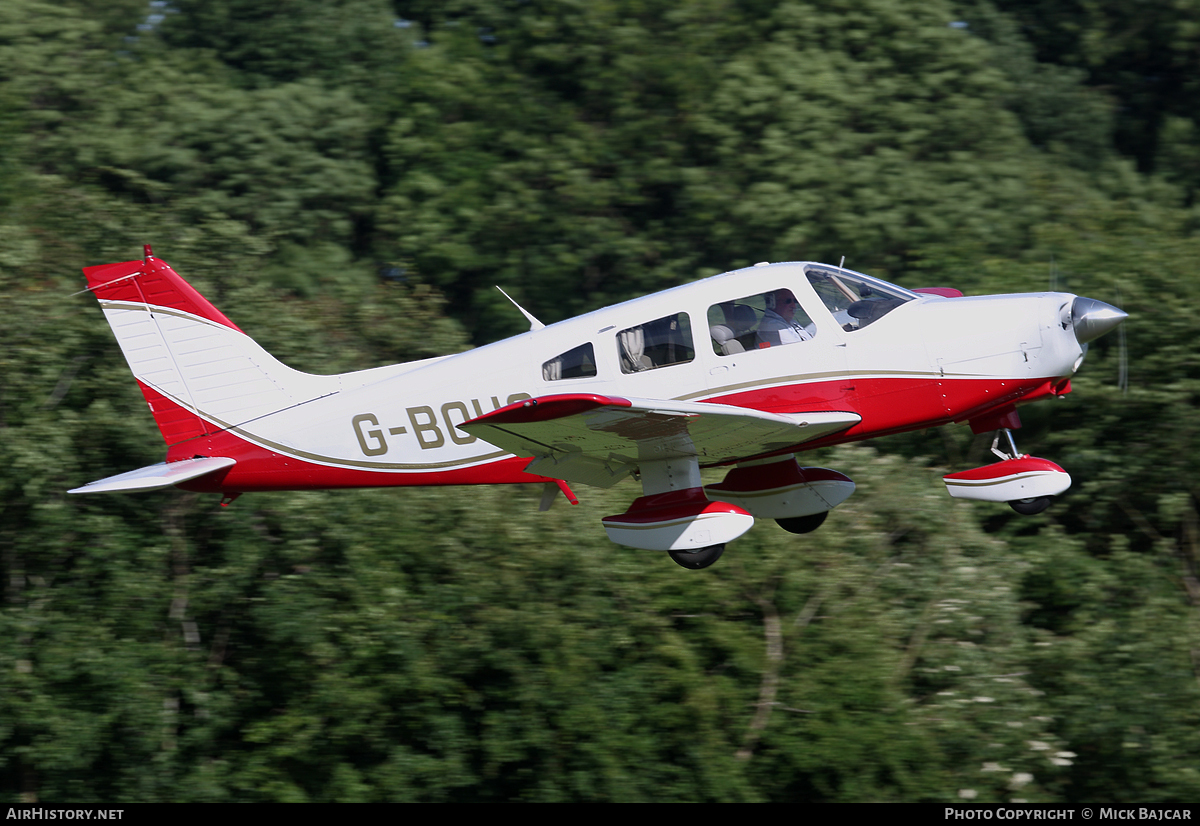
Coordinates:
(887, 405)
(892, 405)
(175, 423)
(261, 469)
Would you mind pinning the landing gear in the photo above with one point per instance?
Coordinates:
(1028, 484)
(803, 524)
(700, 558)
(1029, 507)
(692, 523)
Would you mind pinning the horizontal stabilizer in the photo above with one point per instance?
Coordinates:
(162, 475)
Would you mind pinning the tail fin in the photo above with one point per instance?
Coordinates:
(198, 371)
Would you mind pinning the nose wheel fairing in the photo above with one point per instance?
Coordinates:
(1024, 477)
(1027, 483)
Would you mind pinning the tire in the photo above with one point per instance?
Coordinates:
(803, 524)
(696, 560)
(1028, 507)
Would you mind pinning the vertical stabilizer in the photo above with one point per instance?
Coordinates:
(198, 371)
(151, 282)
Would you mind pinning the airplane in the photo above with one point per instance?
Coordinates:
(741, 370)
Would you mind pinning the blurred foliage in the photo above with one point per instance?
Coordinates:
(1144, 55)
(348, 180)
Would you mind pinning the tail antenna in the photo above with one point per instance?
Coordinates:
(147, 252)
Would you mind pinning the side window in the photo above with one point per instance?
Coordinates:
(769, 319)
(577, 363)
(659, 343)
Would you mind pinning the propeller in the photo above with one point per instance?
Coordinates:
(1091, 319)
(1122, 356)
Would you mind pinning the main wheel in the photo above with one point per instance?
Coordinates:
(698, 559)
(1028, 507)
(803, 524)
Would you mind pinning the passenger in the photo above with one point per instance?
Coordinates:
(779, 325)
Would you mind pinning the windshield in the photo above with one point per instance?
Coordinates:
(854, 299)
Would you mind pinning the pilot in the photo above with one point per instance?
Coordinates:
(779, 325)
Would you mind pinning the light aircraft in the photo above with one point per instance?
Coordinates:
(741, 370)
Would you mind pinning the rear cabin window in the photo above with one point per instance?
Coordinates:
(756, 322)
(577, 363)
(659, 343)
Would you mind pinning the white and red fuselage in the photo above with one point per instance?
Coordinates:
(869, 359)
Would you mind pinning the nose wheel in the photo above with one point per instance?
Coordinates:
(700, 558)
(1029, 507)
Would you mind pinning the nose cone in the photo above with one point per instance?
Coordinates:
(1091, 319)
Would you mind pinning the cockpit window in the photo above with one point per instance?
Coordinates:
(577, 363)
(659, 343)
(856, 300)
(759, 321)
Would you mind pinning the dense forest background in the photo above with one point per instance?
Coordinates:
(347, 179)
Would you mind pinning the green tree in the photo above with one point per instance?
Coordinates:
(353, 44)
(450, 644)
(1144, 55)
(592, 153)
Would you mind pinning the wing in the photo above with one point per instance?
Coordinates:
(598, 440)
